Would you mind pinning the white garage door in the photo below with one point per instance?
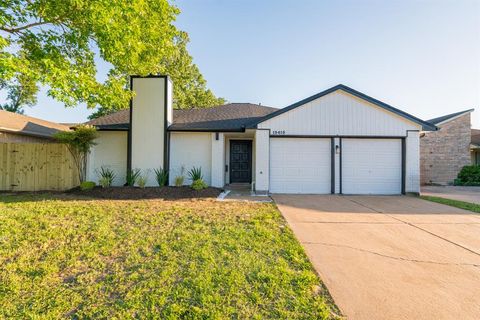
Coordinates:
(300, 165)
(371, 166)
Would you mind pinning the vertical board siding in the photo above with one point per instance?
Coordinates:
(339, 113)
(36, 167)
(111, 152)
(190, 149)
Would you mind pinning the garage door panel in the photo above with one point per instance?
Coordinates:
(299, 165)
(371, 166)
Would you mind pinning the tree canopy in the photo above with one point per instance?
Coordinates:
(54, 43)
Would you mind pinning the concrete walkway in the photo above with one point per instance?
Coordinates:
(390, 257)
(467, 194)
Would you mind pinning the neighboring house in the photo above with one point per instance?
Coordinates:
(475, 147)
(337, 141)
(443, 153)
(18, 128)
(446, 151)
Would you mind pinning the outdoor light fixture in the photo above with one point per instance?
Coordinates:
(337, 149)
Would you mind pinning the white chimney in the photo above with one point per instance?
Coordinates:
(150, 115)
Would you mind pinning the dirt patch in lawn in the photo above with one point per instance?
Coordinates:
(133, 193)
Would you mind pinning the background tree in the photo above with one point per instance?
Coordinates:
(21, 92)
(79, 142)
(54, 43)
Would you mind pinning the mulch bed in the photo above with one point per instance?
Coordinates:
(132, 193)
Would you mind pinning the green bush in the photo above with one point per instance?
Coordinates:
(179, 181)
(132, 177)
(142, 180)
(199, 184)
(195, 174)
(161, 175)
(87, 185)
(106, 176)
(468, 176)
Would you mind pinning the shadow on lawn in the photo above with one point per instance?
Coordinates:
(114, 193)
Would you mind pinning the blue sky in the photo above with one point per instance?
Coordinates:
(420, 56)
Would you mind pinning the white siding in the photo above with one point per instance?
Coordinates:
(218, 160)
(412, 166)
(340, 113)
(261, 160)
(190, 150)
(148, 122)
(111, 152)
(169, 102)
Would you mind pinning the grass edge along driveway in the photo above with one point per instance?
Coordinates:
(73, 258)
(454, 203)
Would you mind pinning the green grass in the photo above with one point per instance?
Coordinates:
(454, 203)
(67, 258)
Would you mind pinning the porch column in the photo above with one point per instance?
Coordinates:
(262, 160)
(218, 160)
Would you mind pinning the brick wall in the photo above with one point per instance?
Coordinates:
(443, 153)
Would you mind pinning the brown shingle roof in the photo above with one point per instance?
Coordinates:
(232, 116)
(21, 124)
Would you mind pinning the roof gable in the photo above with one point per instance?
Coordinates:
(449, 117)
(425, 125)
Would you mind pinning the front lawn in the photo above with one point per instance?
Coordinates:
(454, 203)
(67, 258)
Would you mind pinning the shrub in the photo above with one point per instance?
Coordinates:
(79, 142)
(468, 176)
(161, 175)
(179, 181)
(199, 184)
(195, 174)
(132, 177)
(106, 176)
(142, 179)
(87, 185)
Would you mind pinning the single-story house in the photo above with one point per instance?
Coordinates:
(446, 151)
(337, 141)
(475, 147)
(18, 128)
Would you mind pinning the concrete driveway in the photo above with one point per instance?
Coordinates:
(391, 257)
(467, 194)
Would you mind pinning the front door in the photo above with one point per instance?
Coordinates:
(240, 161)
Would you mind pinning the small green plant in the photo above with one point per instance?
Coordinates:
(180, 179)
(161, 175)
(132, 176)
(106, 176)
(87, 185)
(195, 174)
(142, 180)
(199, 184)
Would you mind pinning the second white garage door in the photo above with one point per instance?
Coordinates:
(300, 165)
(371, 166)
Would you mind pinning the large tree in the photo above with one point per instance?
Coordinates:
(53, 43)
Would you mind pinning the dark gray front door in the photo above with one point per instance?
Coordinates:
(240, 161)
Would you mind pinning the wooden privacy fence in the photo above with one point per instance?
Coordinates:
(36, 167)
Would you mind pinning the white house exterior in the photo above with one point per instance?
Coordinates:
(338, 141)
